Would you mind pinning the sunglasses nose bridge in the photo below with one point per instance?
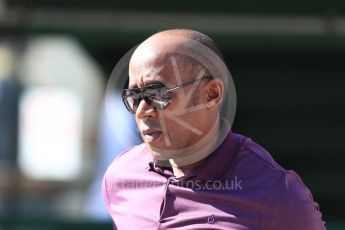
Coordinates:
(145, 109)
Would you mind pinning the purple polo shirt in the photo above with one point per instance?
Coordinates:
(239, 187)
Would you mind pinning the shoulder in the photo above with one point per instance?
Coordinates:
(135, 157)
(256, 165)
(286, 201)
(289, 204)
(253, 151)
(129, 153)
(130, 163)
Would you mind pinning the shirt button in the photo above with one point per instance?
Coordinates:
(211, 219)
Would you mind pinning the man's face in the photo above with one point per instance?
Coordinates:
(176, 127)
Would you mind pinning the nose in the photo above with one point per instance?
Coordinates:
(144, 110)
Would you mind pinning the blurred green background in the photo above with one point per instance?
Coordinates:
(286, 58)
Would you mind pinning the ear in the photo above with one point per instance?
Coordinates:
(214, 92)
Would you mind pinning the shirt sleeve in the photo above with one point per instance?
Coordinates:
(290, 205)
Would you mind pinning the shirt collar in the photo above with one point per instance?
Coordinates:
(220, 161)
(216, 166)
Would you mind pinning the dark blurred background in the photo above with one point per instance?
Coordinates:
(286, 58)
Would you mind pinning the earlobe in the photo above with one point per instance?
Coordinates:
(210, 103)
(212, 99)
(214, 93)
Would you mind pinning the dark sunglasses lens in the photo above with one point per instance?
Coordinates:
(133, 103)
(157, 98)
(131, 100)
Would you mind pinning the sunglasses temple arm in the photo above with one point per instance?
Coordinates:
(189, 83)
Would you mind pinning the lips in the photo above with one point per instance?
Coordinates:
(151, 134)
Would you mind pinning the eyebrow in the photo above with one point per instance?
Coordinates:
(152, 82)
(147, 83)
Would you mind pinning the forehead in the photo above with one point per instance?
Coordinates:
(145, 71)
(150, 66)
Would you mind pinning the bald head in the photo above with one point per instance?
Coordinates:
(192, 35)
(184, 45)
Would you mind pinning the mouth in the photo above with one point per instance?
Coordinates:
(150, 135)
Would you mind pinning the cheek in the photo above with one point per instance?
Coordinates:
(180, 103)
(182, 127)
(187, 101)
(174, 104)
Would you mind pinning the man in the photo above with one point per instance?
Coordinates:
(193, 172)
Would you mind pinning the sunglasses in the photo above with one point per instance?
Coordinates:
(156, 95)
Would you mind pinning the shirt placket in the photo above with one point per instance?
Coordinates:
(166, 198)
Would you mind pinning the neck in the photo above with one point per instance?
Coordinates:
(180, 171)
(198, 156)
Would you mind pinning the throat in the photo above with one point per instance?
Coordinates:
(180, 171)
